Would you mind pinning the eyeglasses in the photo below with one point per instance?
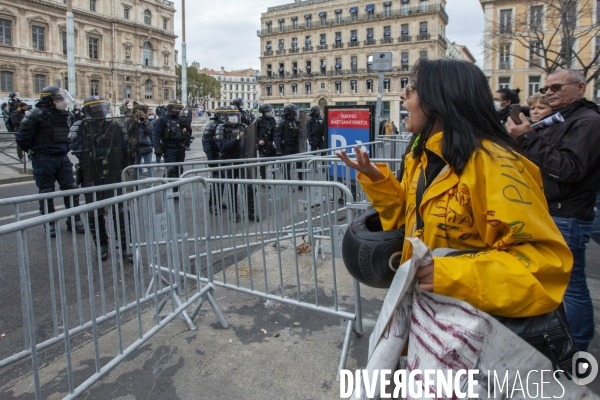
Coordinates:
(556, 87)
(408, 90)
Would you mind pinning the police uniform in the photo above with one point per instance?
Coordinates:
(226, 138)
(265, 131)
(101, 146)
(315, 131)
(44, 133)
(287, 138)
(169, 138)
(212, 153)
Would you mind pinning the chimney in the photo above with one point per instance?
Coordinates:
(222, 70)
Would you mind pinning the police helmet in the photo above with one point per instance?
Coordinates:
(371, 254)
(96, 107)
(314, 109)
(13, 94)
(265, 109)
(290, 111)
(239, 103)
(230, 115)
(54, 95)
(174, 107)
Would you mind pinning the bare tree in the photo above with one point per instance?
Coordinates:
(554, 33)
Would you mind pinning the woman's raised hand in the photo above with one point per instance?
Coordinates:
(362, 163)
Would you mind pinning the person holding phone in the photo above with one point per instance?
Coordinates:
(460, 190)
(503, 98)
(568, 154)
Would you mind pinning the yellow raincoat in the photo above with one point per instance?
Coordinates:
(497, 206)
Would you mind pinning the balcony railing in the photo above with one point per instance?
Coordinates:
(294, 50)
(405, 38)
(387, 40)
(443, 40)
(308, 48)
(370, 42)
(354, 72)
(504, 65)
(424, 36)
(432, 8)
(353, 43)
(280, 52)
(338, 45)
(268, 53)
(322, 47)
(535, 63)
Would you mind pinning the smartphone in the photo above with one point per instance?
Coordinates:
(515, 110)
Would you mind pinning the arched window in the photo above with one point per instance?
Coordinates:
(147, 54)
(148, 89)
(147, 17)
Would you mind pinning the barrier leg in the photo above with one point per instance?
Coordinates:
(345, 347)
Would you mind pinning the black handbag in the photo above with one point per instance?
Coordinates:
(549, 333)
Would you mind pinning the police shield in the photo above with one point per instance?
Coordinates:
(108, 146)
(302, 140)
(248, 143)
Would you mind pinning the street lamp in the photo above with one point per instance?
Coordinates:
(183, 58)
(71, 51)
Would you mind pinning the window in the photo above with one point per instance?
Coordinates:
(405, 7)
(338, 86)
(404, 33)
(353, 63)
(504, 82)
(93, 48)
(147, 17)
(64, 42)
(338, 39)
(424, 6)
(308, 67)
(37, 40)
(323, 65)
(504, 56)
(126, 12)
(148, 89)
(39, 82)
(404, 60)
(294, 22)
(570, 13)
(165, 24)
(403, 83)
(354, 14)
(534, 84)
(386, 85)
(597, 48)
(535, 17)
(323, 39)
(126, 92)
(307, 86)
(5, 32)
(6, 81)
(268, 90)
(281, 44)
(322, 85)
(369, 85)
(269, 30)
(338, 63)
(94, 88)
(353, 38)
(308, 20)
(387, 9)
(294, 69)
(423, 55)
(294, 89)
(423, 27)
(147, 54)
(370, 9)
(535, 53)
(387, 34)
(370, 35)
(338, 16)
(281, 89)
(92, 5)
(323, 18)
(505, 21)
(353, 86)
(281, 24)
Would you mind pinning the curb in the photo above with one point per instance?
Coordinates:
(16, 179)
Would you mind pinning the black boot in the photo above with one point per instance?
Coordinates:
(99, 232)
(51, 229)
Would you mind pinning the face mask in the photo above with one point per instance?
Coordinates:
(61, 106)
(269, 114)
(150, 117)
(498, 105)
(232, 120)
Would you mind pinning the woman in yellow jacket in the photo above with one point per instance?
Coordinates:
(480, 194)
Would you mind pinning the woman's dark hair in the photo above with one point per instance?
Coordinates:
(457, 94)
(508, 94)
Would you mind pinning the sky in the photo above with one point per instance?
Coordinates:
(223, 33)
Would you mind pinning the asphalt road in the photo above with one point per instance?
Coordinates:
(10, 305)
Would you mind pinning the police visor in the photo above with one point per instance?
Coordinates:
(100, 109)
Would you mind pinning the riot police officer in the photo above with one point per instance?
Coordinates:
(102, 149)
(44, 133)
(212, 153)
(287, 135)
(247, 116)
(315, 129)
(265, 132)
(228, 137)
(13, 99)
(169, 138)
(78, 114)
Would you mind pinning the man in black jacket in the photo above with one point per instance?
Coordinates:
(16, 117)
(568, 155)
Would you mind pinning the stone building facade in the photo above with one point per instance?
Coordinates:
(123, 49)
(320, 51)
(234, 84)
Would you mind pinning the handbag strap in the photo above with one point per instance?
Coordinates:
(420, 191)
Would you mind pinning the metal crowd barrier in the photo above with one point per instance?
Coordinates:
(54, 309)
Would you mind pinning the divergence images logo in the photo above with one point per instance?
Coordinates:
(585, 368)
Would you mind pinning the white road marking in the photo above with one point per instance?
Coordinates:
(27, 213)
